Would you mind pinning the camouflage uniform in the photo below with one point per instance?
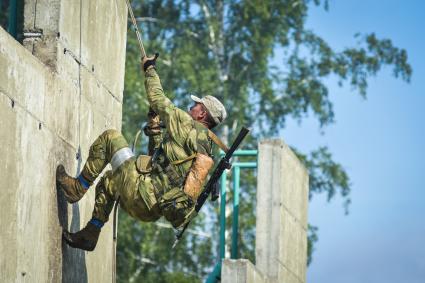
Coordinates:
(148, 196)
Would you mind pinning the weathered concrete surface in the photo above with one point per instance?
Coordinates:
(53, 104)
(281, 223)
(42, 17)
(282, 203)
(90, 32)
(241, 271)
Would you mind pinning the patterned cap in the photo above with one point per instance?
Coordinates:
(214, 107)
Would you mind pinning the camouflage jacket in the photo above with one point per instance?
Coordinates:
(182, 136)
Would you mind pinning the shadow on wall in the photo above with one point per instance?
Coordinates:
(73, 260)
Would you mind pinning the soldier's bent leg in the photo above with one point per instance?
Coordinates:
(101, 153)
(87, 238)
(105, 198)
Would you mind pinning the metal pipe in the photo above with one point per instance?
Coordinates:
(13, 14)
(215, 275)
(223, 215)
(244, 164)
(242, 152)
(235, 223)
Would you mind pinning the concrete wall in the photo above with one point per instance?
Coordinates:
(58, 92)
(282, 207)
(281, 227)
(241, 271)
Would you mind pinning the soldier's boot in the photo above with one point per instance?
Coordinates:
(86, 239)
(73, 188)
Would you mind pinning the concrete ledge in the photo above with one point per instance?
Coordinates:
(240, 271)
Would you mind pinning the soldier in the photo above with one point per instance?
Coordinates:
(167, 184)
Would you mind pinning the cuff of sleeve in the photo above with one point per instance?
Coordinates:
(150, 72)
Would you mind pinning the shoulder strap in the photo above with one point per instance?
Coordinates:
(217, 141)
(178, 162)
(212, 136)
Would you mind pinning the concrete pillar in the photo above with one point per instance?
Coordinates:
(281, 229)
(282, 200)
(241, 271)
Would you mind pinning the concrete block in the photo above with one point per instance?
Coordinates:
(93, 122)
(45, 50)
(282, 199)
(68, 66)
(96, 93)
(13, 74)
(241, 271)
(61, 103)
(70, 26)
(29, 205)
(47, 16)
(102, 29)
(292, 245)
(288, 277)
(295, 186)
(46, 114)
(268, 206)
(42, 16)
(34, 203)
(29, 14)
(8, 197)
(29, 21)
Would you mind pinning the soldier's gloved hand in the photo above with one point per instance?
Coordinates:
(153, 126)
(149, 61)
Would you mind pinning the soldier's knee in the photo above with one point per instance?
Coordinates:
(106, 178)
(111, 133)
(104, 183)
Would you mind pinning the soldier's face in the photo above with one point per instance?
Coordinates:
(197, 111)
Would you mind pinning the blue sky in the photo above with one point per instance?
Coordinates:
(380, 142)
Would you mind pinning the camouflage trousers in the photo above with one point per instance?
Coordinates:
(135, 190)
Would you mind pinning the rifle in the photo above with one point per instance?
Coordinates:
(215, 176)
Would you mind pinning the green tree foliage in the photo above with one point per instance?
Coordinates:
(229, 49)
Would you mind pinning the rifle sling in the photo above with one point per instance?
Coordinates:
(217, 141)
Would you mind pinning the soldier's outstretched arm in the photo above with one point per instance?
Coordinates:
(177, 122)
(161, 104)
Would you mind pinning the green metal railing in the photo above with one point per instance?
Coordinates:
(215, 275)
(13, 18)
(12, 13)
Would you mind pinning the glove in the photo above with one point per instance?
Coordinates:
(153, 126)
(149, 61)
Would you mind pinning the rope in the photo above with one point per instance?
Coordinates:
(114, 240)
(115, 230)
(135, 141)
(133, 20)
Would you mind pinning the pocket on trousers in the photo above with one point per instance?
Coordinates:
(146, 191)
(176, 206)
